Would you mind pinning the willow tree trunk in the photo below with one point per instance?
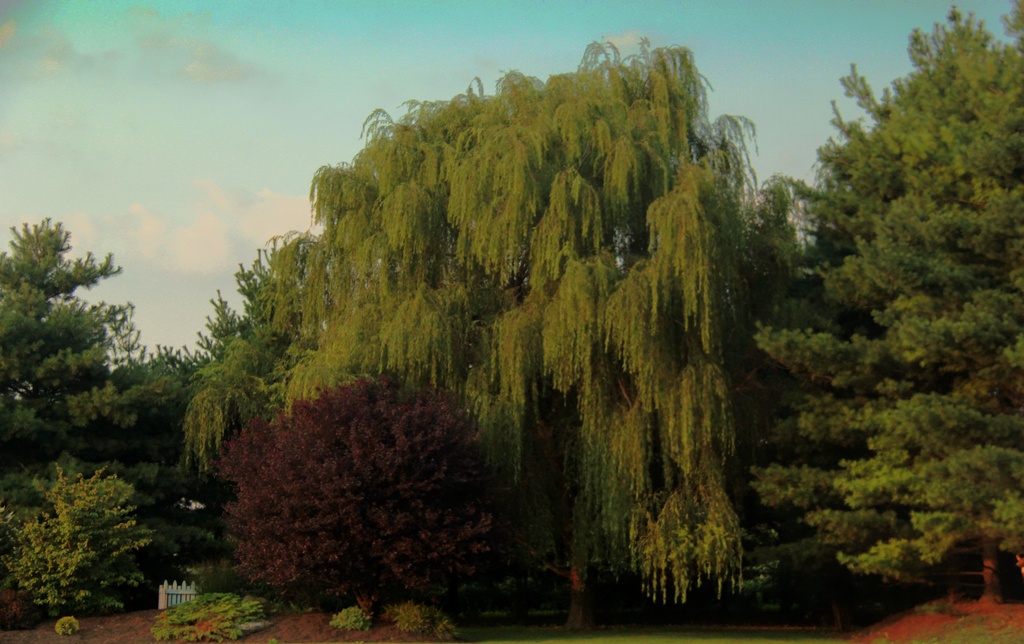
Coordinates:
(581, 602)
(990, 572)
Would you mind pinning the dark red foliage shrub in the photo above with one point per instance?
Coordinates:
(365, 487)
(17, 612)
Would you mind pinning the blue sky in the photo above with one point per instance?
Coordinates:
(182, 135)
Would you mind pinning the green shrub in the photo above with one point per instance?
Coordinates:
(352, 618)
(6, 538)
(74, 559)
(17, 612)
(423, 620)
(66, 626)
(211, 617)
(217, 576)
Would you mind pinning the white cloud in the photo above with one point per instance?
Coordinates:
(147, 234)
(257, 216)
(202, 247)
(276, 214)
(84, 234)
(226, 228)
(56, 56)
(626, 42)
(178, 45)
(212, 65)
(45, 52)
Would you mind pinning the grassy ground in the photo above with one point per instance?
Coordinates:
(524, 635)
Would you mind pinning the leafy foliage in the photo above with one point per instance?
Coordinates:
(352, 618)
(17, 611)
(6, 540)
(216, 576)
(362, 488)
(78, 557)
(907, 445)
(210, 617)
(412, 617)
(580, 260)
(66, 626)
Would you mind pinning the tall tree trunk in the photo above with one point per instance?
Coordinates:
(990, 571)
(581, 602)
(840, 614)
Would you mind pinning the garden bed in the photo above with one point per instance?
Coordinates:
(960, 622)
(133, 628)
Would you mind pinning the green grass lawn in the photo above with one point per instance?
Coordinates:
(512, 635)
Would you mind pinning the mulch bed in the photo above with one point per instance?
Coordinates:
(985, 621)
(992, 622)
(133, 628)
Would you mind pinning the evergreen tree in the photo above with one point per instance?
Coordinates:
(239, 367)
(581, 261)
(54, 360)
(910, 452)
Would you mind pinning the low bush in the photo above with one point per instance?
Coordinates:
(211, 617)
(352, 618)
(17, 612)
(66, 626)
(6, 538)
(422, 620)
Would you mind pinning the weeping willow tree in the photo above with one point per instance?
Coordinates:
(576, 260)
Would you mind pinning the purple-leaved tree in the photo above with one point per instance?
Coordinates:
(364, 488)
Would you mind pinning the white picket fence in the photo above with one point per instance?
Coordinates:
(172, 594)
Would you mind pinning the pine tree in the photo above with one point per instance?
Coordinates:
(581, 262)
(54, 369)
(911, 427)
(239, 365)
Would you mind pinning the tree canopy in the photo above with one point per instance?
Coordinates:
(365, 489)
(576, 259)
(910, 429)
(589, 268)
